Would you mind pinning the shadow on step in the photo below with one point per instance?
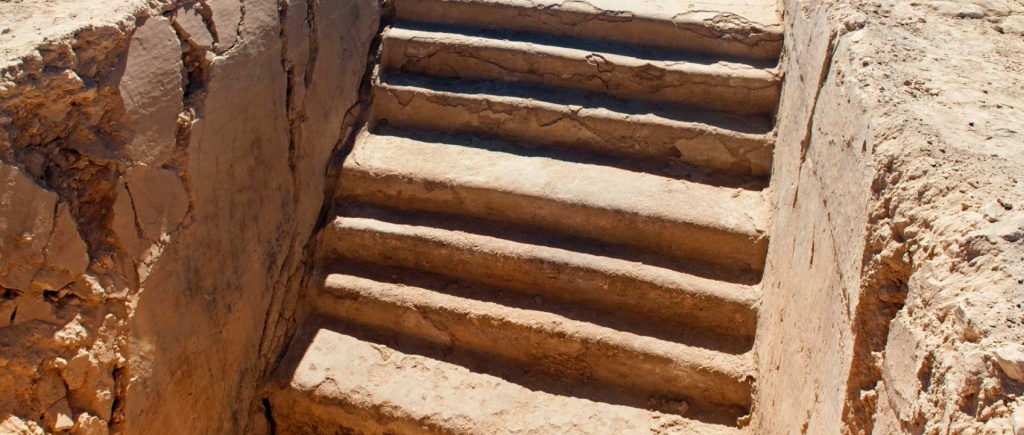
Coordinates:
(609, 317)
(544, 237)
(667, 167)
(594, 46)
(569, 381)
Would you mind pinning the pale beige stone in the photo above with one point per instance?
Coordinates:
(190, 23)
(159, 199)
(26, 222)
(151, 89)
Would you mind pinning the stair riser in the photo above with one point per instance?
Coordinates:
(721, 35)
(542, 342)
(334, 383)
(740, 90)
(593, 130)
(684, 240)
(661, 295)
(301, 413)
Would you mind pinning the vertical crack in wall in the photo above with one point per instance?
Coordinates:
(883, 292)
(278, 327)
(196, 62)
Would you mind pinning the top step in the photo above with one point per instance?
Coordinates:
(748, 28)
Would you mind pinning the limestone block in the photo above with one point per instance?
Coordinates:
(1010, 358)
(1017, 421)
(190, 23)
(159, 199)
(58, 416)
(227, 16)
(125, 225)
(958, 9)
(67, 256)
(151, 90)
(1013, 25)
(26, 222)
(902, 368)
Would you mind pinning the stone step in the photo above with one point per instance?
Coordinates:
(334, 382)
(577, 120)
(698, 81)
(676, 218)
(547, 342)
(663, 296)
(748, 28)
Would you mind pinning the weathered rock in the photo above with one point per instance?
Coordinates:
(191, 26)
(958, 9)
(226, 17)
(26, 223)
(1010, 358)
(151, 89)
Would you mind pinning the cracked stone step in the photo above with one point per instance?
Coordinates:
(666, 297)
(676, 218)
(707, 83)
(748, 28)
(547, 342)
(562, 118)
(334, 382)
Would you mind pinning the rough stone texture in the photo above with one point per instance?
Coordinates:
(160, 181)
(888, 315)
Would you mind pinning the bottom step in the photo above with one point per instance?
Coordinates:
(333, 383)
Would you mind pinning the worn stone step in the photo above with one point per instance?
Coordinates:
(748, 28)
(664, 296)
(618, 71)
(677, 218)
(332, 382)
(576, 120)
(545, 341)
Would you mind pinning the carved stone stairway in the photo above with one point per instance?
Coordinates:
(553, 223)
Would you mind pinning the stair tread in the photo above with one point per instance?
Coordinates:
(751, 28)
(583, 102)
(554, 272)
(697, 80)
(374, 388)
(606, 203)
(598, 187)
(543, 340)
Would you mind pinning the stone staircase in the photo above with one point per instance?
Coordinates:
(554, 223)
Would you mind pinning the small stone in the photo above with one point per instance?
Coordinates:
(1013, 25)
(1010, 358)
(958, 9)
(59, 416)
(856, 21)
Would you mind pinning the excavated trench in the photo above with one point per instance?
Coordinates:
(485, 216)
(543, 205)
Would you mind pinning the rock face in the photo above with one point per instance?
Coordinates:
(894, 275)
(160, 181)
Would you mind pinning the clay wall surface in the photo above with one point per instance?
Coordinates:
(892, 294)
(163, 166)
